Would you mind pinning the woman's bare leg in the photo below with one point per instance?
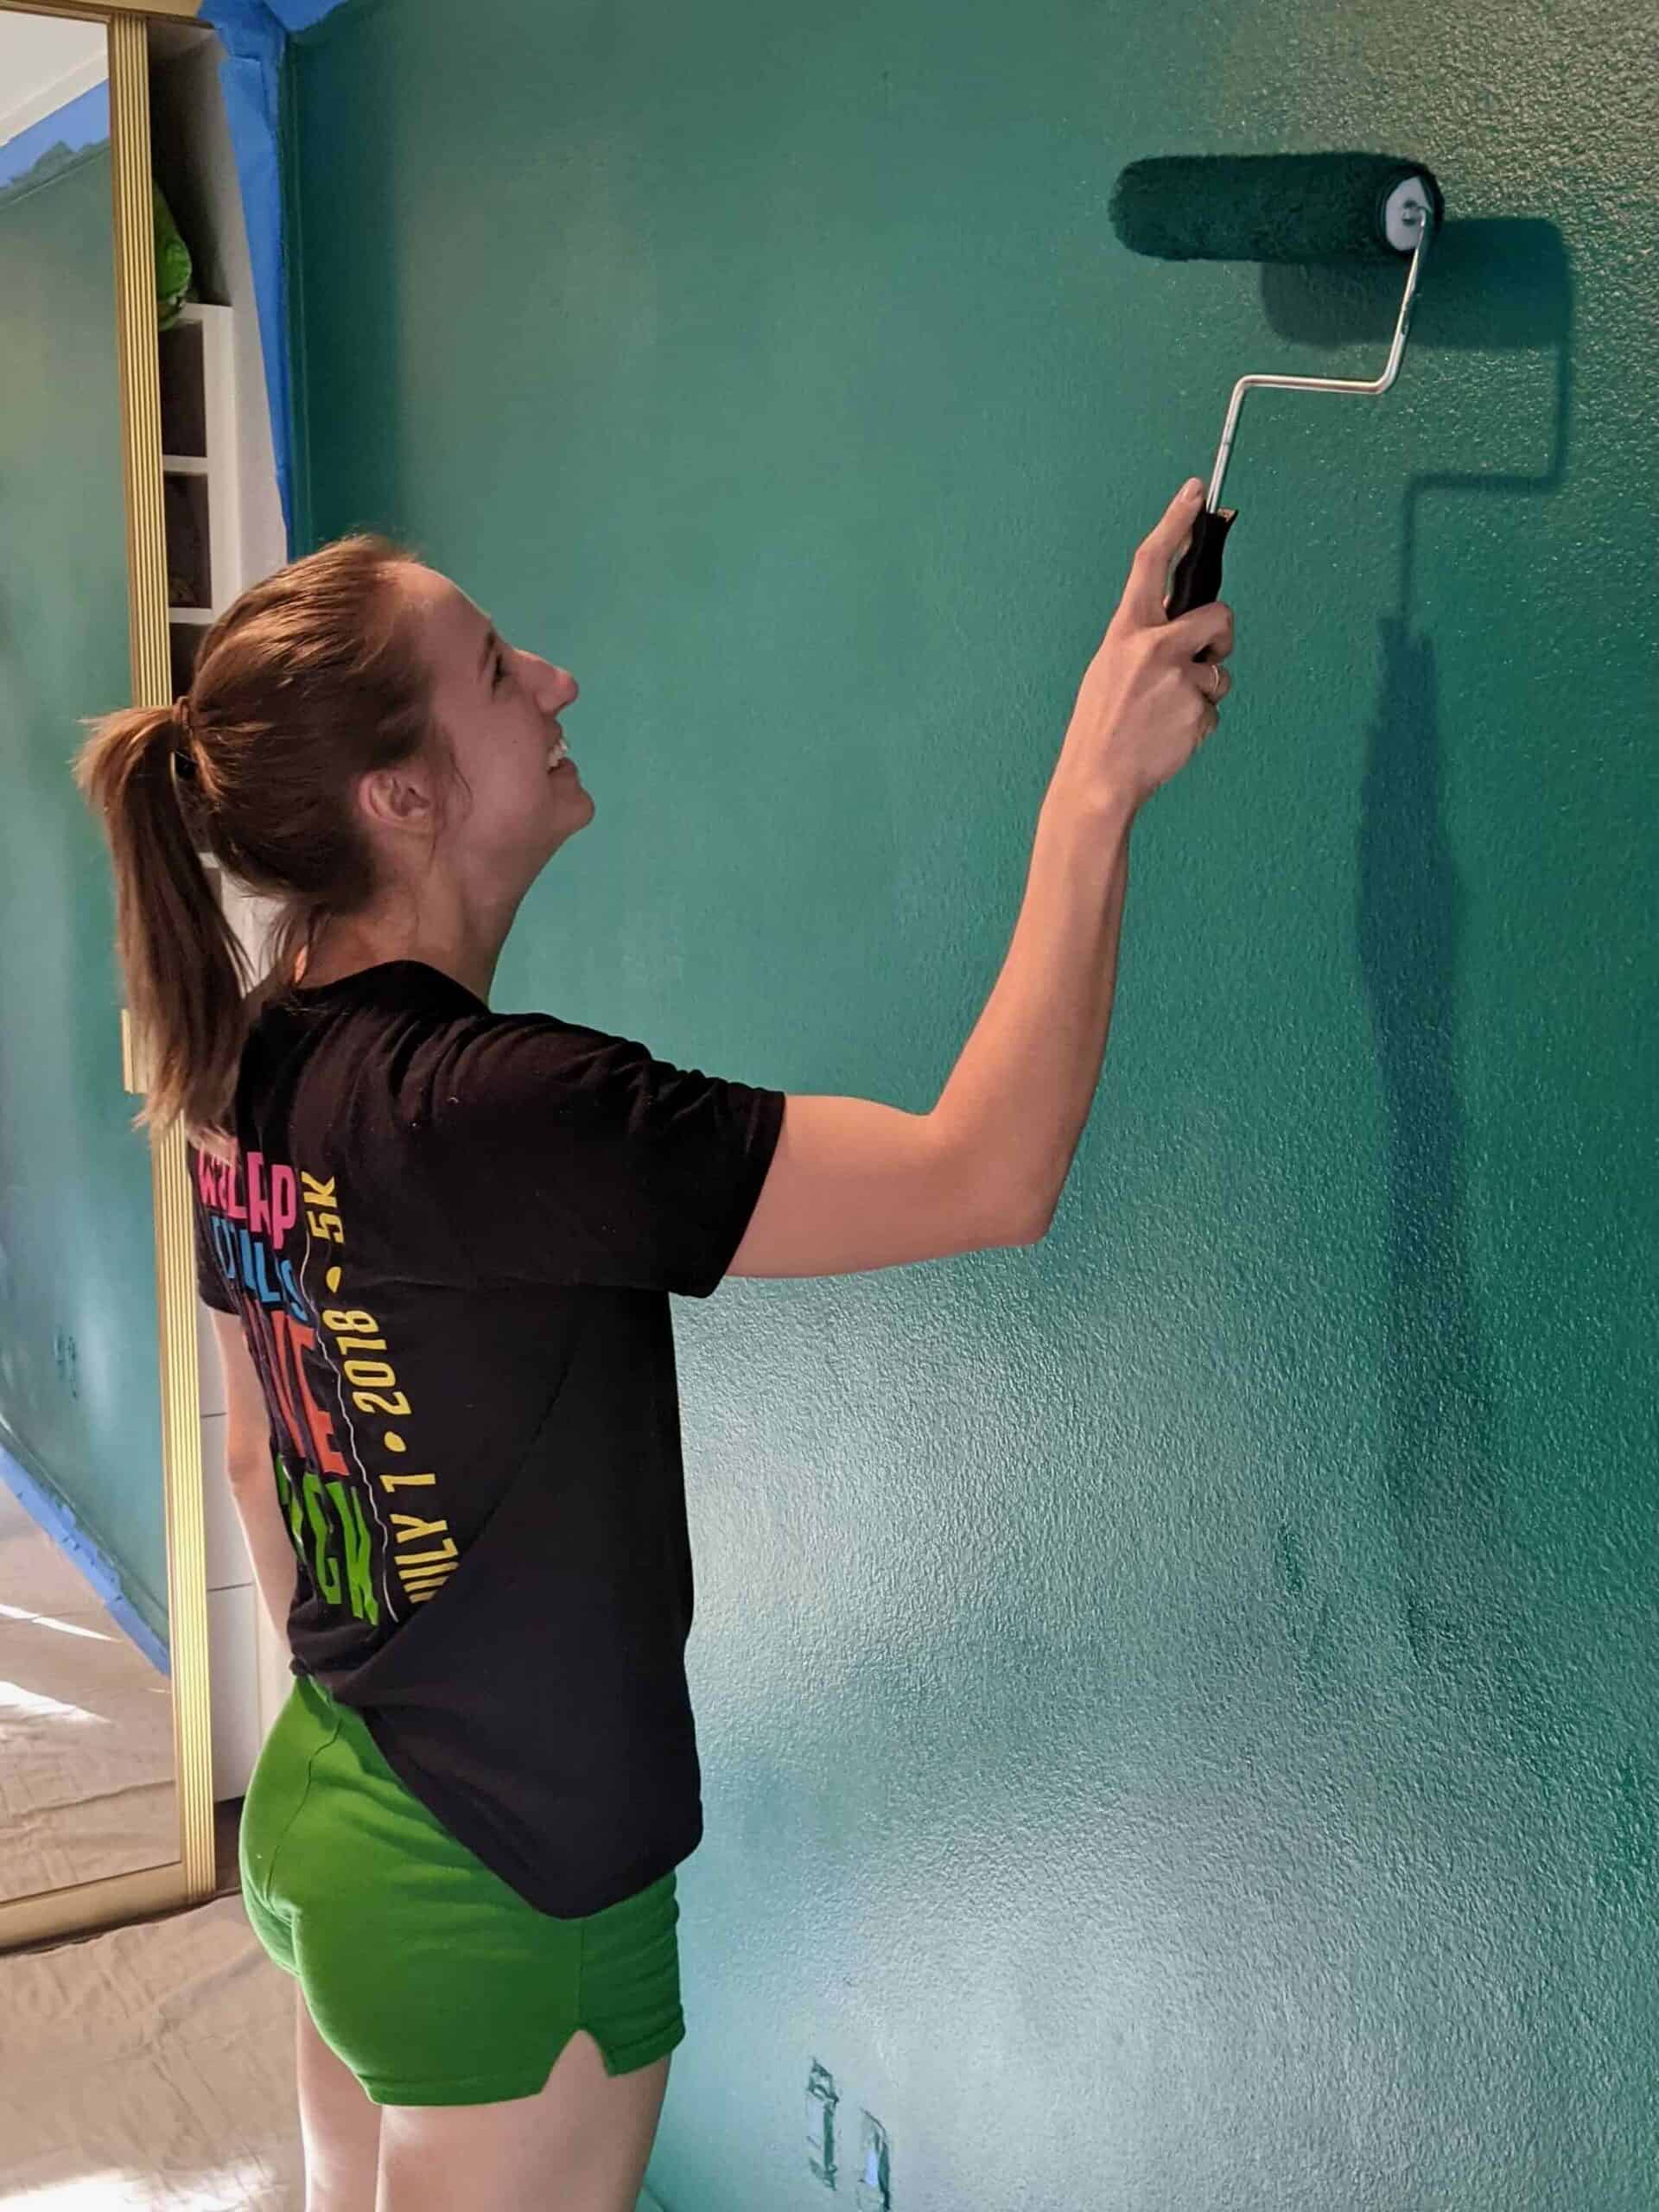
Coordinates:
(582, 2144)
(339, 2125)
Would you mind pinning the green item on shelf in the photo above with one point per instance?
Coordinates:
(172, 263)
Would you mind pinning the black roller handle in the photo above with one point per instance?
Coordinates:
(1197, 580)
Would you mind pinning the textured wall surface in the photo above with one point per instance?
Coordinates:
(1178, 1703)
(79, 1401)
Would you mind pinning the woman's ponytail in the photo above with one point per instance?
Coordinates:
(186, 973)
(315, 676)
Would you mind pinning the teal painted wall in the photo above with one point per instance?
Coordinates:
(79, 1393)
(1178, 1703)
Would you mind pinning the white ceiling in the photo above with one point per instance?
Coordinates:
(46, 61)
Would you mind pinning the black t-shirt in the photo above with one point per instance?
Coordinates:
(450, 1234)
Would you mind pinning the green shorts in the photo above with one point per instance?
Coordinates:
(432, 1978)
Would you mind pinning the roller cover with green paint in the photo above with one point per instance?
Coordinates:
(1296, 208)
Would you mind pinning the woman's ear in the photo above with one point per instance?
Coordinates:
(397, 798)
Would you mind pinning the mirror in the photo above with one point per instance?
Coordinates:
(88, 1782)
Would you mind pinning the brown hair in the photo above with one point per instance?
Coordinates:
(311, 679)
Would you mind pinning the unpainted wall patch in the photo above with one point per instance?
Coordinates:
(874, 2189)
(821, 2102)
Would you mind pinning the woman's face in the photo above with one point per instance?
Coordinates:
(500, 707)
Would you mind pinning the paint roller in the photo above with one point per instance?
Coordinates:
(1273, 207)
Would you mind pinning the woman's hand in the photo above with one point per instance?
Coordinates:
(1145, 705)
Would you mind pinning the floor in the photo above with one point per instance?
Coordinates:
(85, 1726)
(228, 1882)
(149, 2067)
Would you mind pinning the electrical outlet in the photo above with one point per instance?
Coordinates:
(874, 2189)
(821, 2102)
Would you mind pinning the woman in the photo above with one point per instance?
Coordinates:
(438, 1243)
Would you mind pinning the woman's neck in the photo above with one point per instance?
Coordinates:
(459, 944)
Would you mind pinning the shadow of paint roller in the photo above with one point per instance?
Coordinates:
(1461, 1555)
(1278, 209)
(1502, 285)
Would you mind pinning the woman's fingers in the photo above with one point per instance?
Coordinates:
(1143, 595)
(1201, 630)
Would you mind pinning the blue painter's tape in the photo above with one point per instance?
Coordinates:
(56, 1519)
(254, 36)
(249, 78)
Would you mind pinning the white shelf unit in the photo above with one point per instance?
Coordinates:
(208, 565)
(201, 469)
